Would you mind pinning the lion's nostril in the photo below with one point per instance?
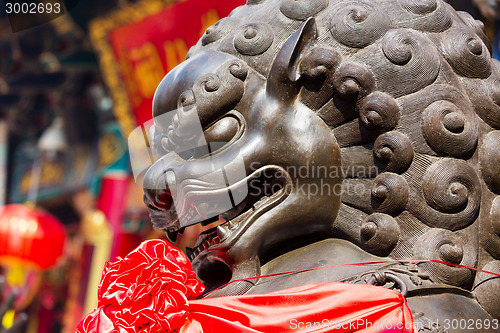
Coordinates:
(163, 191)
(158, 190)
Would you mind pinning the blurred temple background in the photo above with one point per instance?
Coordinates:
(71, 91)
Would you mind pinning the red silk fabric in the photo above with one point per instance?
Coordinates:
(147, 291)
(153, 290)
(322, 307)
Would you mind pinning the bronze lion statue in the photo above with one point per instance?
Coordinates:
(337, 132)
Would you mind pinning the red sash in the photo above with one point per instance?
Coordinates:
(153, 290)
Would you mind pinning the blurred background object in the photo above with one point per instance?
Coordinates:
(31, 242)
(489, 9)
(10, 322)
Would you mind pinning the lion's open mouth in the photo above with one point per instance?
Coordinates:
(267, 187)
(229, 227)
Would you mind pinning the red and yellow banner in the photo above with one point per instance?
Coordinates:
(140, 43)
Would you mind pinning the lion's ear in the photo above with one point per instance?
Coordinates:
(282, 80)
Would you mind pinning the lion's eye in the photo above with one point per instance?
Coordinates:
(218, 135)
(223, 130)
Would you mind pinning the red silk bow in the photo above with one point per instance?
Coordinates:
(153, 290)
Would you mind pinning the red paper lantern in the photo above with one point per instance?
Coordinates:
(30, 237)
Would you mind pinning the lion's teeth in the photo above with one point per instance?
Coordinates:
(222, 232)
(232, 224)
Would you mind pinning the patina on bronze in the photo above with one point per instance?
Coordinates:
(395, 103)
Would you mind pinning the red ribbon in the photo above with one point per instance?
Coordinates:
(416, 261)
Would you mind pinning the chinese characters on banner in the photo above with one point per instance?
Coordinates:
(140, 43)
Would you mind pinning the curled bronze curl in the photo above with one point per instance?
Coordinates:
(450, 129)
(379, 234)
(394, 151)
(407, 62)
(466, 53)
(238, 69)
(302, 9)
(489, 156)
(389, 193)
(379, 112)
(352, 81)
(253, 38)
(451, 195)
(485, 95)
(402, 46)
(358, 23)
(425, 15)
(420, 7)
(495, 215)
(210, 82)
(221, 91)
(219, 30)
(447, 246)
(490, 233)
(487, 290)
(477, 26)
(319, 63)
(494, 89)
